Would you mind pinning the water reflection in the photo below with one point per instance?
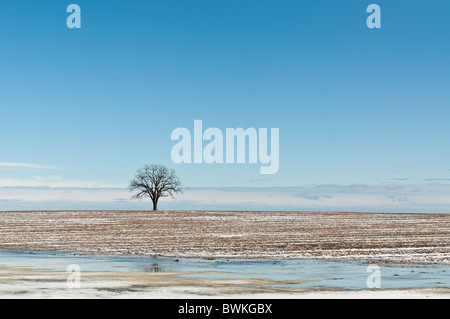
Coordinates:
(337, 274)
(154, 267)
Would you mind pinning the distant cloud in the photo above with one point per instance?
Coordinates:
(52, 182)
(313, 196)
(430, 197)
(256, 180)
(9, 200)
(437, 179)
(26, 165)
(401, 199)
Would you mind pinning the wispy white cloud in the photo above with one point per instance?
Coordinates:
(26, 165)
(437, 179)
(53, 182)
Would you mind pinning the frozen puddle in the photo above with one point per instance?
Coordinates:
(297, 273)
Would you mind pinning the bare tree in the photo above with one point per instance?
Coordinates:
(155, 181)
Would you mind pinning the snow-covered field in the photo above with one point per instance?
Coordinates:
(417, 238)
(386, 238)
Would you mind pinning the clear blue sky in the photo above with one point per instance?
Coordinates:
(353, 105)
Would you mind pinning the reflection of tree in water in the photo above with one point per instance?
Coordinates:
(155, 267)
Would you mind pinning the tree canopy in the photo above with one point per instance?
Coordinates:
(155, 181)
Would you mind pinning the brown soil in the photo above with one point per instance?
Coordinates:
(387, 237)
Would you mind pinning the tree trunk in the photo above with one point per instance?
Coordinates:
(155, 205)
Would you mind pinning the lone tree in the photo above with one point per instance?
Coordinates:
(155, 181)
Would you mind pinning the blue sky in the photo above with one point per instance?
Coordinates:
(87, 107)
